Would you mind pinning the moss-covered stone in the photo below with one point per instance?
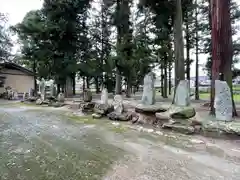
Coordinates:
(179, 128)
(149, 109)
(177, 112)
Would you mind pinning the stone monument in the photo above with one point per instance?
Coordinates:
(31, 93)
(15, 95)
(182, 96)
(87, 95)
(60, 97)
(223, 101)
(180, 109)
(118, 113)
(42, 87)
(103, 108)
(53, 90)
(24, 97)
(104, 96)
(118, 104)
(148, 97)
(147, 105)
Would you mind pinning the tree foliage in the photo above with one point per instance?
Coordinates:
(115, 42)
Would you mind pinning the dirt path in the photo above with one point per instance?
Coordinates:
(43, 144)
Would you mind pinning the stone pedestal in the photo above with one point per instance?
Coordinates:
(149, 109)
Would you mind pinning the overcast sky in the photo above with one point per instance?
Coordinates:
(16, 10)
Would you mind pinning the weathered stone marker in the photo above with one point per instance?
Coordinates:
(182, 96)
(30, 93)
(148, 97)
(42, 87)
(104, 96)
(180, 109)
(24, 96)
(223, 101)
(61, 97)
(15, 95)
(87, 95)
(53, 90)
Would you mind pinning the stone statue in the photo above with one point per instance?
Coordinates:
(148, 97)
(42, 87)
(118, 104)
(223, 101)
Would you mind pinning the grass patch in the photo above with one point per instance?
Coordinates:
(118, 129)
(83, 119)
(205, 96)
(26, 104)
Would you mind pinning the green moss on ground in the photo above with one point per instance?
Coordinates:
(83, 119)
(118, 129)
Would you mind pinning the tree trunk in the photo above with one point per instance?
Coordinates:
(97, 85)
(213, 19)
(165, 83)
(68, 87)
(118, 75)
(170, 61)
(128, 90)
(84, 83)
(188, 61)
(226, 45)
(222, 48)
(88, 82)
(162, 79)
(197, 49)
(179, 46)
(35, 77)
(74, 83)
(118, 83)
(58, 88)
(169, 79)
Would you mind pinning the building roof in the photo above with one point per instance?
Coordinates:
(11, 65)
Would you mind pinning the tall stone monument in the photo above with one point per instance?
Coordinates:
(181, 108)
(104, 96)
(87, 95)
(182, 96)
(53, 90)
(42, 87)
(148, 97)
(30, 93)
(223, 101)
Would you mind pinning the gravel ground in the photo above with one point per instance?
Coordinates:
(42, 144)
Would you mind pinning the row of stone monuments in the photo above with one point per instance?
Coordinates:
(113, 110)
(42, 98)
(179, 114)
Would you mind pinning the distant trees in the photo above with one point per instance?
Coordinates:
(5, 41)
